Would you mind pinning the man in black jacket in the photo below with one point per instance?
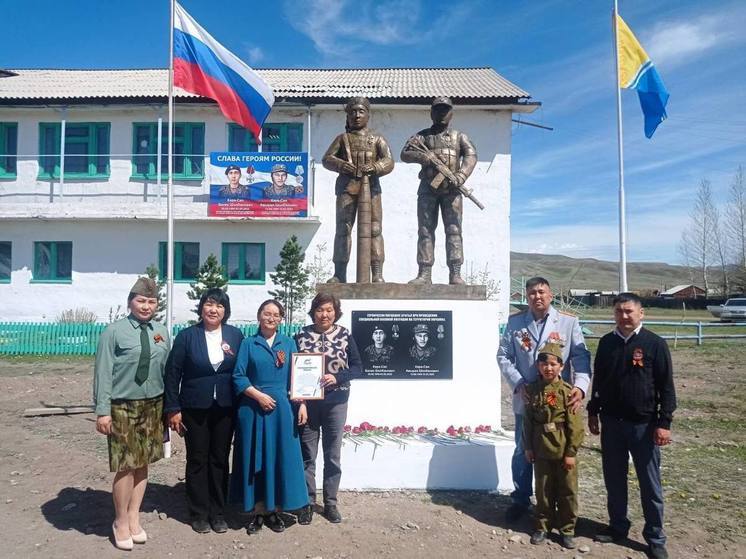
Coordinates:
(633, 392)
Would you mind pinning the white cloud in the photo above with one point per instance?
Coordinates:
(650, 236)
(343, 31)
(680, 42)
(255, 54)
(340, 27)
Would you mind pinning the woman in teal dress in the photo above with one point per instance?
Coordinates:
(267, 463)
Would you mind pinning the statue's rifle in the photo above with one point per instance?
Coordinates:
(443, 171)
(364, 209)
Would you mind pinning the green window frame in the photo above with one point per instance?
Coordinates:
(189, 150)
(6, 253)
(244, 263)
(186, 261)
(53, 262)
(86, 150)
(8, 149)
(276, 136)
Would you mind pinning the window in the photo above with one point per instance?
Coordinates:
(53, 261)
(8, 149)
(275, 137)
(186, 261)
(189, 150)
(86, 149)
(5, 254)
(244, 262)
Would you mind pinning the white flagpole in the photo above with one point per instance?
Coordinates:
(170, 203)
(622, 210)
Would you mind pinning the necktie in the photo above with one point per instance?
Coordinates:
(143, 365)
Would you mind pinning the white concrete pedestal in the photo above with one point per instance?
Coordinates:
(471, 398)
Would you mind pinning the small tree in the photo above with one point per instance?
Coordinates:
(291, 277)
(210, 274)
(153, 273)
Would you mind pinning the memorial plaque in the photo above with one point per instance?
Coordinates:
(404, 344)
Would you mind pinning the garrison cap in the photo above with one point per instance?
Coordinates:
(279, 168)
(421, 329)
(552, 348)
(145, 287)
(442, 100)
(230, 168)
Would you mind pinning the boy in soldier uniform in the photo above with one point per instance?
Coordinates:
(552, 435)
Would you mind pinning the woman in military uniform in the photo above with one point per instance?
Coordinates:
(128, 396)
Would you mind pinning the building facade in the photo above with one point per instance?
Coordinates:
(83, 191)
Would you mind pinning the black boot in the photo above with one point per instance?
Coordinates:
(377, 272)
(424, 276)
(340, 273)
(454, 278)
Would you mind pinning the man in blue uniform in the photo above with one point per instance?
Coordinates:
(524, 334)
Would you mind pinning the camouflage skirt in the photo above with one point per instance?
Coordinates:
(137, 433)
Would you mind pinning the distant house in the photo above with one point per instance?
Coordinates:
(592, 297)
(683, 292)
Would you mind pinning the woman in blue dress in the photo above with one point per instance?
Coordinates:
(267, 463)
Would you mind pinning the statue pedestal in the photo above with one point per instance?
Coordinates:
(470, 398)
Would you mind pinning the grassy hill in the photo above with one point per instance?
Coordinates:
(565, 273)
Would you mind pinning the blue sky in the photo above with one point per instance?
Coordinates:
(564, 181)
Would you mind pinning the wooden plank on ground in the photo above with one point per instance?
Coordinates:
(66, 410)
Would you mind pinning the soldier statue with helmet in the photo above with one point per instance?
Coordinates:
(447, 157)
(361, 157)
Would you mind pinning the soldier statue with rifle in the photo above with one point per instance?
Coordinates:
(447, 157)
(361, 157)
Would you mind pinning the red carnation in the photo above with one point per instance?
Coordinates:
(396, 430)
(422, 430)
(356, 430)
(347, 428)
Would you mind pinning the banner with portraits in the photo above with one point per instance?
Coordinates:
(258, 184)
(404, 344)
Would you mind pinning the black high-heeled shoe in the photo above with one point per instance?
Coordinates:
(274, 522)
(255, 524)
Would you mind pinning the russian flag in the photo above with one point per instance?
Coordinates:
(205, 67)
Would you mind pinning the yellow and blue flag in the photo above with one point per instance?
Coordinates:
(636, 71)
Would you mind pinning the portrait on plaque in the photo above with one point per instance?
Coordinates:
(307, 370)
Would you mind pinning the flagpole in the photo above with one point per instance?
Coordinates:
(170, 202)
(620, 144)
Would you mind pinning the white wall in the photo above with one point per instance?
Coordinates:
(115, 227)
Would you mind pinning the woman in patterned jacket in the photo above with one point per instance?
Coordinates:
(326, 418)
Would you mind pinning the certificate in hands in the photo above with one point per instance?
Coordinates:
(307, 370)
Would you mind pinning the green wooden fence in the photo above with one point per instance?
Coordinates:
(68, 338)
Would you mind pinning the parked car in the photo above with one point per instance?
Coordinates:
(734, 309)
(715, 310)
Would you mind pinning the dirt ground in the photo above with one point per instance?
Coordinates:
(55, 497)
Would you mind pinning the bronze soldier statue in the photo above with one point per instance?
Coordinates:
(447, 157)
(361, 157)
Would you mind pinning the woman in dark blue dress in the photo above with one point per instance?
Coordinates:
(267, 463)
